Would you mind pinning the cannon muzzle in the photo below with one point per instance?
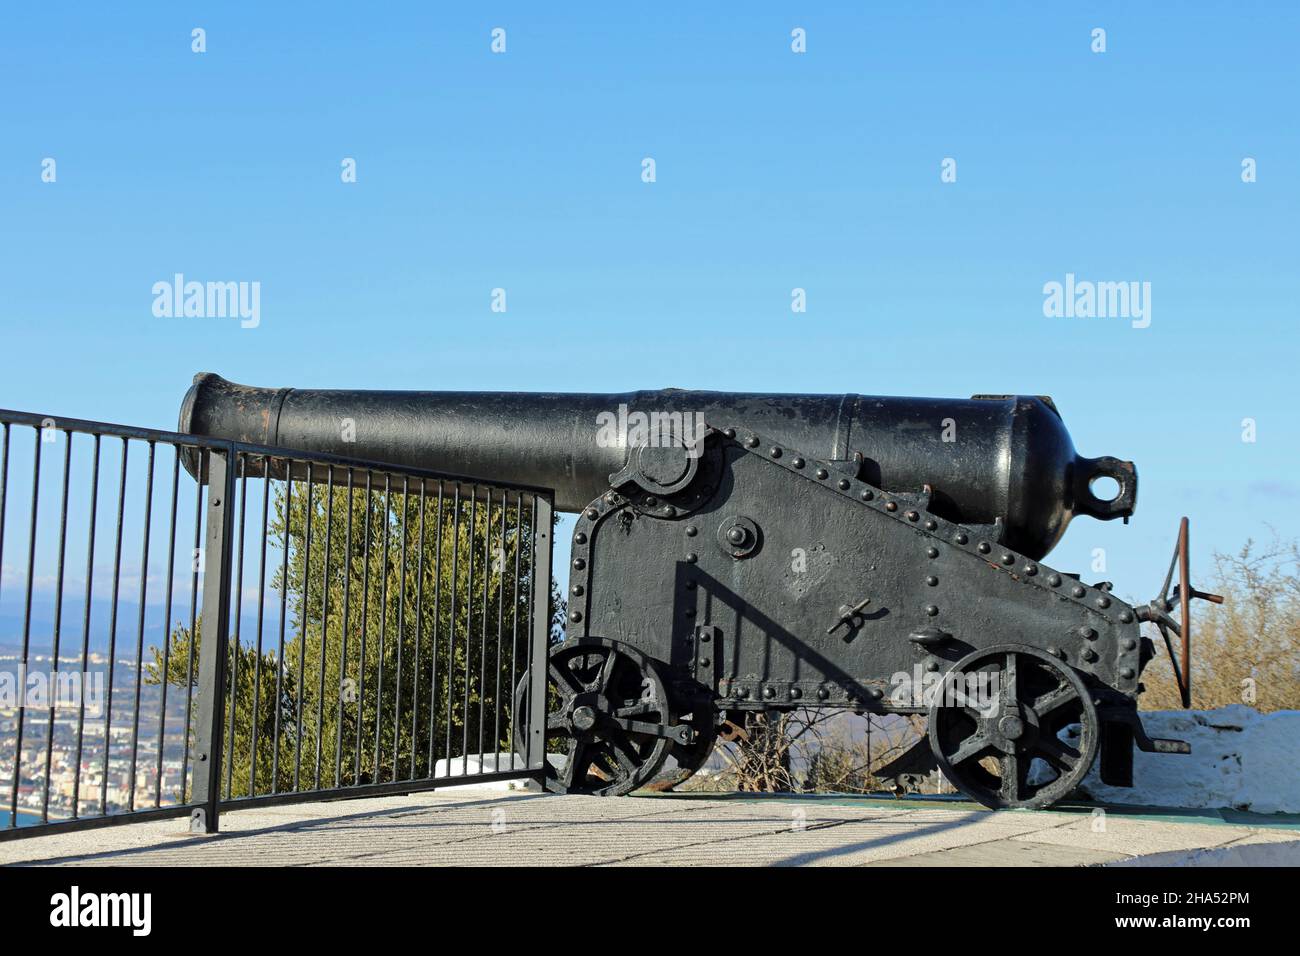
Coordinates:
(987, 459)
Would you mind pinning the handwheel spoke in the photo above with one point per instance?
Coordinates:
(555, 723)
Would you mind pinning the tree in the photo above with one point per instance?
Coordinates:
(402, 646)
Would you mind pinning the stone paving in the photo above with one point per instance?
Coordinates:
(473, 827)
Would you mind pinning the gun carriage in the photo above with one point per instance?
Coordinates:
(741, 553)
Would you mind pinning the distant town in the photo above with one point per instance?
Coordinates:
(101, 781)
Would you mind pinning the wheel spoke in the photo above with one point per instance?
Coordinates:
(1010, 765)
(1009, 682)
(556, 723)
(1053, 699)
(579, 758)
(648, 729)
(629, 761)
(1057, 753)
(606, 673)
(972, 746)
(565, 678)
(641, 708)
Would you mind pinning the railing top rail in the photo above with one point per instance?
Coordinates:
(63, 423)
(275, 453)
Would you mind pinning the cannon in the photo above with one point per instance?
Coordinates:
(737, 553)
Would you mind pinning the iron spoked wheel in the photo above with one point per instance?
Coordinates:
(608, 713)
(1028, 742)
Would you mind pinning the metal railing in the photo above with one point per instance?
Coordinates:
(383, 629)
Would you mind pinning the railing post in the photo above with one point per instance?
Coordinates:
(537, 679)
(214, 635)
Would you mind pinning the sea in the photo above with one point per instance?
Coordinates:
(24, 819)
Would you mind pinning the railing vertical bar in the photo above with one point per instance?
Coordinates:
(203, 460)
(383, 626)
(501, 610)
(343, 652)
(85, 615)
(324, 615)
(255, 717)
(401, 629)
(139, 639)
(214, 651)
(58, 626)
(4, 499)
(469, 627)
(285, 544)
(4, 490)
(532, 682)
(237, 641)
(365, 626)
(451, 631)
(27, 631)
(112, 630)
(167, 624)
(419, 633)
(483, 624)
(437, 611)
(302, 629)
(516, 719)
(539, 587)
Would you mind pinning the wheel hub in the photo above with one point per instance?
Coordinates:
(583, 718)
(1011, 727)
(584, 710)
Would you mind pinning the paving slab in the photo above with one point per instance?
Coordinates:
(470, 827)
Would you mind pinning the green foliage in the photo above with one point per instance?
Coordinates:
(407, 639)
(1246, 650)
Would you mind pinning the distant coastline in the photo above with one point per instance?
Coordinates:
(24, 819)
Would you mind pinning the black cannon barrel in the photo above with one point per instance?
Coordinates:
(987, 458)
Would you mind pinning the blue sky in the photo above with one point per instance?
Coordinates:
(774, 170)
